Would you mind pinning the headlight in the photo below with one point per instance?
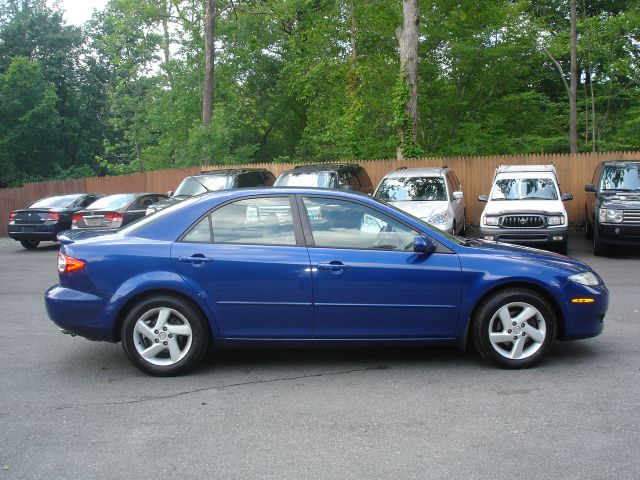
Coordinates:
(557, 220)
(491, 221)
(438, 218)
(585, 278)
(610, 215)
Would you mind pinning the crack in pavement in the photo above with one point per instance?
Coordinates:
(220, 387)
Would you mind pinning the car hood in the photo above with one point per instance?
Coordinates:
(421, 209)
(527, 254)
(503, 207)
(630, 200)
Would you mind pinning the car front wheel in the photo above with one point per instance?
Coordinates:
(164, 335)
(514, 328)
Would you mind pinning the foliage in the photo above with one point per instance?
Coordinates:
(123, 93)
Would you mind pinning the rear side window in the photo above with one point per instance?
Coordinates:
(252, 221)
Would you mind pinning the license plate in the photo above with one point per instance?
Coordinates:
(28, 229)
(93, 222)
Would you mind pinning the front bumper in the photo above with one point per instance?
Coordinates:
(584, 320)
(619, 233)
(549, 236)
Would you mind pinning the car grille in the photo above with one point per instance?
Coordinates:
(631, 216)
(523, 221)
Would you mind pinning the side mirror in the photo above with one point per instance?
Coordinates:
(566, 197)
(458, 195)
(170, 193)
(483, 198)
(589, 187)
(423, 244)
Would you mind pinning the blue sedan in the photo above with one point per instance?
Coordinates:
(284, 266)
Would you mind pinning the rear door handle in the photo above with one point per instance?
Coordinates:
(334, 267)
(197, 259)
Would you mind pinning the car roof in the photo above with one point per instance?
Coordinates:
(230, 171)
(418, 172)
(323, 167)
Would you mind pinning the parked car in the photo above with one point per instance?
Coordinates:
(525, 207)
(347, 176)
(431, 194)
(213, 180)
(214, 270)
(45, 218)
(115, 211)
(612, 207)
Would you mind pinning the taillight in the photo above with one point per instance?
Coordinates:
(74, 221)
(52, 216)
(68, 264)
(12, 216)
(114, 219)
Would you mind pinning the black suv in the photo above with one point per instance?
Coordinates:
(612, 207)
(212, 180)
(348, 176)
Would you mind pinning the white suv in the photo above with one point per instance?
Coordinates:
(431, 194)
(525, 206)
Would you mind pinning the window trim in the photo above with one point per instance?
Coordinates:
(295, 217)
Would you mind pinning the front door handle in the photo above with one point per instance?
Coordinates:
(334, 266)
(197, 259)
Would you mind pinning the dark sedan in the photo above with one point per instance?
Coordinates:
(114, 211)
(47, 217)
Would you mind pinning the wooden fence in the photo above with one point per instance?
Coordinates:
(475, 173)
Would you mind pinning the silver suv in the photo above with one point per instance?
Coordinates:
(431, 194)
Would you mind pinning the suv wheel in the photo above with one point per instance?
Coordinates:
(588, 230)
(599, 248)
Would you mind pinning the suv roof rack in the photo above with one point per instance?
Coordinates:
(223, 171)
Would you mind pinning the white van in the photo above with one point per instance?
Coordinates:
(525, 207)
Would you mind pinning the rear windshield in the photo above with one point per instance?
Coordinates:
(63, 201)
(112, 202)
(412, 188)
(624, 178)
(524, 189)
(191, 186)
(307, 179)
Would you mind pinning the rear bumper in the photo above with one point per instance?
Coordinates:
(549, 236)
(80, 313)
(618, 233)
(34, 232)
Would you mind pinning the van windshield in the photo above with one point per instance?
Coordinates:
(525, 189)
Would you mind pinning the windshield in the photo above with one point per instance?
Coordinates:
(191, 186)
(56, 202)
(112, 202)
(306, 179)
(621, 177)
(525, 189)
(412, 189)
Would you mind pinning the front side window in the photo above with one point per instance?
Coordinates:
(343, 224)
(524, 189)
(401, 189)
(621, 178)
(252, 221)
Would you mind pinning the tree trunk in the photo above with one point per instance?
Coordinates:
(167, 40)
(209, 63)
(573, 88)
(407, 36)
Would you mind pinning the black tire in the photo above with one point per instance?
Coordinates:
(181, 315)
(29, 244)
(463, 232)
(454, 228)
(563, 248)
(588, 229)
(534, 340)
(599, 248)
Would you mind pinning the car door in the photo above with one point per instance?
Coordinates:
(248, 261)
(368, 283)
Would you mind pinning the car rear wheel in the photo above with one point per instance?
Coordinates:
(30, 244)
(164, 335)
(514, 328)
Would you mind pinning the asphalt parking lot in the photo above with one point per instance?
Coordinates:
(74, 409)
